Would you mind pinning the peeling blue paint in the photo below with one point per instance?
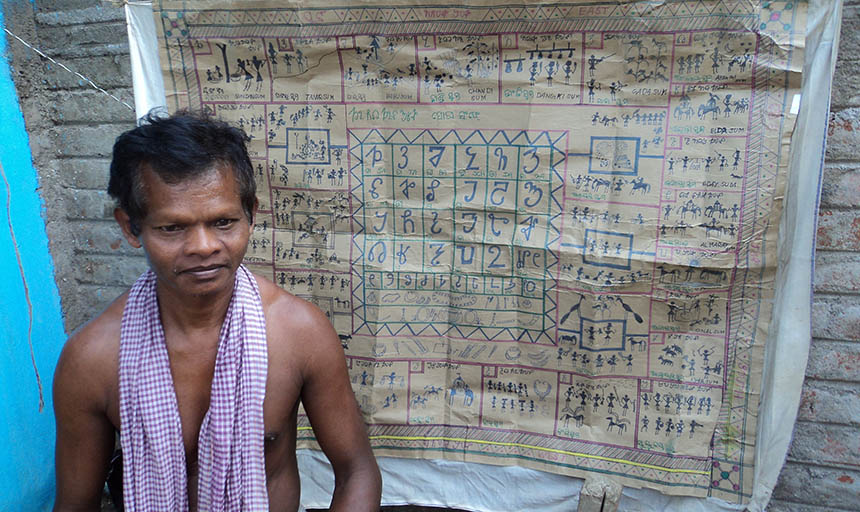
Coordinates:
(26, 434)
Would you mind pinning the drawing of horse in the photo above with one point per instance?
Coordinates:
(620, 424)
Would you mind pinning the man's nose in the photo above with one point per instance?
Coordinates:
(201, 241)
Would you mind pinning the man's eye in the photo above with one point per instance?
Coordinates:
(171, 228)
(223, 223)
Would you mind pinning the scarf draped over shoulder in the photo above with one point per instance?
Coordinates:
(231, 459)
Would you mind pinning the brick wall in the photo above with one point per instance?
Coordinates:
(73, 127)
(823, 466)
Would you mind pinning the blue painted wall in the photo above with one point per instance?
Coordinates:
(26, 434)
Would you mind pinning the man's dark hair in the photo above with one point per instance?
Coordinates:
(177, 148)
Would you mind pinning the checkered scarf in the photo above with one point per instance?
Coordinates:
(232, 470)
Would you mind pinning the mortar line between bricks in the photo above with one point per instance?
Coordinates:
(842, 466)
(839, 208)
(831, 249)
(833, 340)
(839, 424)
(805, 464)
(833, 381)
(841, 340)
(835, 293)
(120, 23)
(811, 505)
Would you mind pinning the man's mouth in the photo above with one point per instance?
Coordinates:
(203, 271)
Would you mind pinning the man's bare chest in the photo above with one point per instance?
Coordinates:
(192, 385)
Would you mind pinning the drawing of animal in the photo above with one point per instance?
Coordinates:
(620, 424)
(577, 416)
(672, 274)
(706, 109)
(641, 343)
(468, 396)
(718, 275)
(641, 185)
(692, 209)
(683, 112)
(431, 390)
(600, 182)
(665, 362)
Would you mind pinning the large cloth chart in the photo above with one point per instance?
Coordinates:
(546, 234)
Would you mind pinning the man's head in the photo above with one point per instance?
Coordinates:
(178, 148)
(185, 189)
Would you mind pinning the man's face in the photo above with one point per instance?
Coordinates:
(195, 232)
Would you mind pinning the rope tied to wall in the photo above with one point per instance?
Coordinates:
(66, 68)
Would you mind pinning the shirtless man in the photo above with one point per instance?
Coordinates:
(186, 195)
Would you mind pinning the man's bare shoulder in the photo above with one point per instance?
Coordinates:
(286, 311)
(293, 321)
(87, 369)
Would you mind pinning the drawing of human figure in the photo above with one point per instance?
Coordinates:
(273, 58)
(569, 68)
(243, 68)
(592, 64)
(257, 65)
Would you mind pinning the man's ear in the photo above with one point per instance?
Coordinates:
(253, 218)
(124, 222)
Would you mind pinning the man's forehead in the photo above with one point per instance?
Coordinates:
(202, 177)
(217, 181)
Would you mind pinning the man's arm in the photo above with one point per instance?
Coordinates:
(336, 419)
(85, 436)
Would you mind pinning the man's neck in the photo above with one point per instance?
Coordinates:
(192, 315)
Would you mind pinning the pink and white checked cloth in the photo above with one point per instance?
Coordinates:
(232, 466)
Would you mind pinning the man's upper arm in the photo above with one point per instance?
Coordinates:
(85, 435)
(332, 410)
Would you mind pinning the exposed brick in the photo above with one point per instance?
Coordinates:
(837, 272)
(116, 50)
(87, 141)
(841, 185)
(109, 270)
(77, 107)
(849, 37)
(838, 230)
(806, 483)
(101, 237)
(834, 360)
(85, 173)
(846, 85)
(58, 40)
(824, 444)
(836, 318)
(95, 297)
(843, 135)
(787, 506)
(70, 5)
(106, 71)
(89, 204)
(830, 402)
(92, 14)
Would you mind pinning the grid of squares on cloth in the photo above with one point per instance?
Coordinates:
(232, 473)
